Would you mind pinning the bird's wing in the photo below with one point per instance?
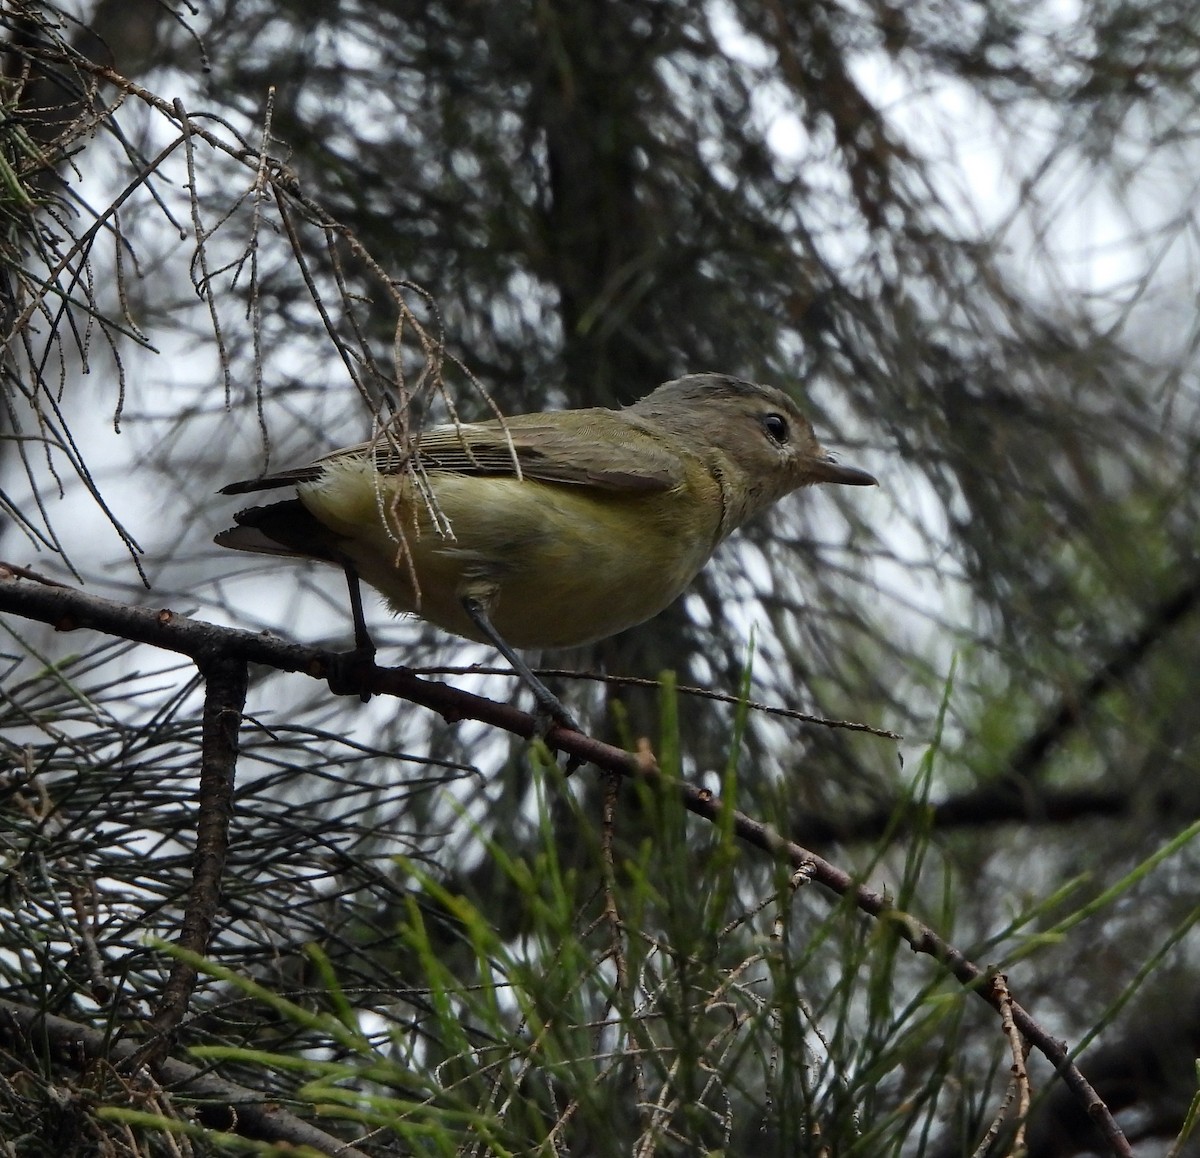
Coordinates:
(586, 454)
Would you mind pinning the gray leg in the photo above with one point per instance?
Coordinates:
(547, 701)
(353, 666)
(362, 637)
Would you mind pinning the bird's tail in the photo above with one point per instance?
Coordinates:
(288, 529)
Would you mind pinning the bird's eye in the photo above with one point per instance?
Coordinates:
(776, 427)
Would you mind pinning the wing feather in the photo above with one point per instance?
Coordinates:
(583, 454)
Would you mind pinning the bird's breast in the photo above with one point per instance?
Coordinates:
(558, 565)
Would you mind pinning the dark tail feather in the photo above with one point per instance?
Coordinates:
(288, 478)
(286, 528)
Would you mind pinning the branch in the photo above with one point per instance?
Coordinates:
(224, 701)
(249, 1112)
(67, 609)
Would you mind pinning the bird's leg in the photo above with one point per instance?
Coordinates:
(548, 703)
(362, 637)
(354, 666)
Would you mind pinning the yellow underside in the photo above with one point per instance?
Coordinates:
(556, 565)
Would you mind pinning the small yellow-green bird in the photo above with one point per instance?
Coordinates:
(552, 529)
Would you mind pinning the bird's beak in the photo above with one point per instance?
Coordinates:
(825, 470)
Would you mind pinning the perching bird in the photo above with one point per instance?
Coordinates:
(553, 529)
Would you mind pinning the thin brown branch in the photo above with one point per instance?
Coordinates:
(68, 609)
(620, 681)
(1019, 1088)
(225, 698)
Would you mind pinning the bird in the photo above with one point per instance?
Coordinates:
(550, 529)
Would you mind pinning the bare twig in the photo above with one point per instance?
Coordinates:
(1019, 1088)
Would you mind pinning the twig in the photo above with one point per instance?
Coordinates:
(1019, 1088)
(618, 681)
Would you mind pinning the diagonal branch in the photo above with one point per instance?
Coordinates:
(68, 609)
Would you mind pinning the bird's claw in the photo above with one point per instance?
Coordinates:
(550, 714)
(350, 672)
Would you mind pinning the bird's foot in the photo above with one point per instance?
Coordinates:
(350, 672)
(551, 713)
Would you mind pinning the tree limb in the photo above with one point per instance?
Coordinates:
(67, 609)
